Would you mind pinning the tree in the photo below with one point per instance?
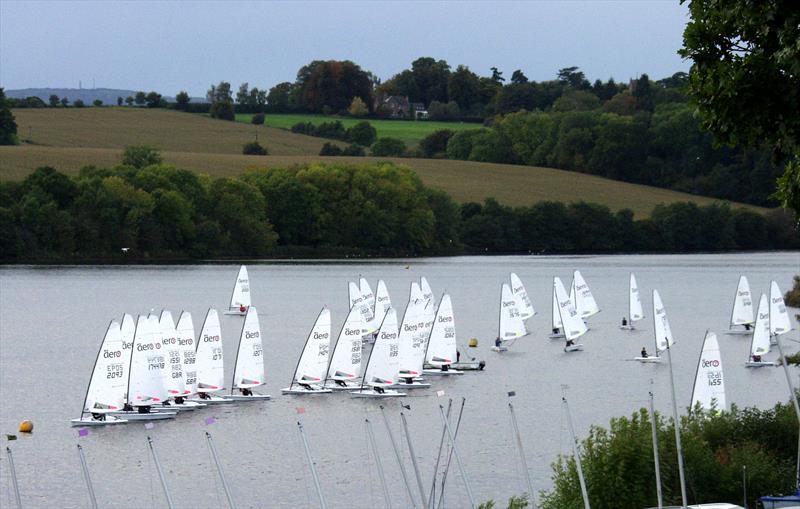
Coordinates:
(497, 76)
(53, 100)
(329, 149)
(358, 108)
(643, 93)
(258, 119)
(279, 97)
(119, 100)
(254, 148)
(221, 101)
(65, 101)
(362, 133)
(464, 87)
(129, 100)
(243, 93)
(330, 86)
(140, 98)
(97, 103)
(435, 143)
(79, 103)
(444, 111)
(8, 126)
(745, 79)
(573, 77)
(388, 147)
(518, 77)
(140, 156)
(154, 100)
(182, 100)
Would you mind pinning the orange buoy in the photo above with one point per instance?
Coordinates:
(26, 426)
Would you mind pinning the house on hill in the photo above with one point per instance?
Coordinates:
(393, 106)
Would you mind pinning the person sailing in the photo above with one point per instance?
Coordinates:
(624, 321)
(644, 352)
(498, 342)
(570, 342)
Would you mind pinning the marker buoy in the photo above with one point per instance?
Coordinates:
(473, 342)
(26, 426)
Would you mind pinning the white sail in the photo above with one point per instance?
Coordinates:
(357, 302)
(663, 332)
(425, 288)
(574, 327)
(742, 312)
(369, 304)
(556, 320)
(635, 310)
(778, 316)
(314, 359)
(760, 344)
(187, 345)
(208, 357)
(415, 293)
(249, 369)
(583, 300)
(412, 343)
(106, 391)
(709, 384)
(241, 290)
(384, 360)
(521, 294)
(511, 324)
(382, 301)
(148, 364)
(442, 342)
(127, 331)
(346, 357)
(173, 381)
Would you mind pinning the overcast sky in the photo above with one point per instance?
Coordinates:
(172, 46)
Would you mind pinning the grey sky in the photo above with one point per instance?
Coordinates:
(170, 46)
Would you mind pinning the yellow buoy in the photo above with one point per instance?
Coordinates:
(473, 342)
(26, 426)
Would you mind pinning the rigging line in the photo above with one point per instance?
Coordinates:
(303, 474)
(213, 476)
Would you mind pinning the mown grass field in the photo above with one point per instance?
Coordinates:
(69, 139)
(411, 132)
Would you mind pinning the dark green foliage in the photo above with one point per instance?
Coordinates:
(435, 143)
(140, 98)
(140, 156)
(221, 101)
(388, 147)
(53, 101)
(254, 148)
(354, 151)
(8, 127)
(792, 296)
(444, 111)
(329, 149)
(78, 103)
(182, 100)
(258, 119)
(362, 134)
(329, 86)
(97, 103)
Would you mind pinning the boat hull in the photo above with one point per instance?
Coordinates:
(152, 416)
(759, 364)
(468, 366)
(413, 385)
(560, 335)
(627, 327)
(88, 421)
(215, 400)
(651, 359)
(499, 348)
(573, 348)
(369, 393)
(738, 332)
(234, 313)
(301, 390)
(187, 406)
(439, 372)
(254, 397)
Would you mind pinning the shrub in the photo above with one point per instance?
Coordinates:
(353, 150)
(792, 296)
(303, 128)
(362, 133)
(78, 103)
(334, 130)
(358, 108)
(222, 110)
(435, 143)
(97, 103)
(388, 147)
(258, 119)
(444, 111)
(329, 149)
(254, 149)
(140, 156)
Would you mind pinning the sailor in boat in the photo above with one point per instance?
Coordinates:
(203, 395)
(756, 358)
(242, 308)
(458, 355)
(570, 342)
(624, 321)
(644, 353)
(747, 326)
(498, 342)
(246, 392)
(340, 383)
(556, 330)
(378, 389)
(99, 417)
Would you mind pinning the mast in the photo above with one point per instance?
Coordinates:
(733, 306)
(458, 459)
(374, 447)
(322, 503)
(399, 459)
(100, 349)
(630, 301)
(450, 449)
(438, 457)
(14, 477)
(213, 449)
(656, 461)
(86, 477)
(522, 453)
(303, 351)
(238, 347)
(161, 477)
(576, 452)
(677, 428)
(413, 460)
(130, 365)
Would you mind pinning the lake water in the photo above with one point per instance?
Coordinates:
(53, 319)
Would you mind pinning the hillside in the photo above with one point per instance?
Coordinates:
(87, 95)
(69, 139)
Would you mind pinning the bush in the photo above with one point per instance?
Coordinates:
(78, 103)
(303, 128)
(97, 103)
(222, 110)
(334, 130)
(353, 150)
(388, 147)
(258, 119)
(362, 133)
(435, 143)
(254, 149)
(329, 149)
(140, 156)
(358, 108)
(459, 145)
(444, 111)
(792, 296)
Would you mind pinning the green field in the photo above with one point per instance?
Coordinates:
(69, 139)
(410, 131)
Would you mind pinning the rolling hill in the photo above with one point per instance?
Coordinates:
(69, 139)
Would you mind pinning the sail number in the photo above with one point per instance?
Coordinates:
(114, 371)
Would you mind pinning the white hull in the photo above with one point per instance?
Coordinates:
(652, 359)
(468, 366)
(413, 385)
(186, 406)
(296, 389)
(759, 364)
(370, 393)
(89, 421)
(627, 327)
(499, 348)
(559, 335)
(439, 372)
(254, 397)
(152, 416)
(573, 348)
(739, 332)
(234, 313)
(215, 400)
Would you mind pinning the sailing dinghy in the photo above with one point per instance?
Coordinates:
(248, 371)
(557, 327)
(709, 384)
(415, 293)
(209, 367)
(174, 376)
(382, 301)
(309, 374)
(779, 322)
(635, 311)
(742, 310)
(521, 295)
(359, 302)
(344, 367)
(582, 298)
(425, 288)
(760, 344)
(574, 326)
(186, 345)
(441, 352)
(369, 299)
(383, 363)
(510, 324)
(240, 297)
(414, 332)
(106, 390)
(662, 332)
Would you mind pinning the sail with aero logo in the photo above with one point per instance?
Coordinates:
(173, 380)
(742, 310)
(382, 301)
(413, 338)
(209, 361)
(779, 322)
(416, 293)
(309, 374)
(573, 324)
(425, 288)
(358, 303)
(248, 371)
(186, 344)
(709, 384)
(369, 305)
(635, 311)
(760, 344)
(106, 390)
(240, 297)
(442, 348)
(345, 360)
(521, 294)
(511, 326)
(583, 300)
(383, 363)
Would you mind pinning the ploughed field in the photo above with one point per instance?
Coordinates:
(69, 139)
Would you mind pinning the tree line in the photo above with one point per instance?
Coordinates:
(157, 212)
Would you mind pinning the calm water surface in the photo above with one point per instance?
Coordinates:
(52, 320)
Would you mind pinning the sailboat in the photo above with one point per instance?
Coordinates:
(240, 296)
(146, 374)
(415, 293)
(425, 287)
(442, 350)
(779, 322)
(635, 311)
(521, 295)
(248, 370)
(383, 362)
(414, 334)
(582, 298)
(510, 324)
(662, 333)
(557, 326)
(209, 367)
(173, 379)
(345, 360)
(709, 384)
(186, 346)
(382, 301)
(359, 303)
(742, 310)
(760, 344)
(106, 390)
(369, 300)
(309, 374)
(574, 326)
